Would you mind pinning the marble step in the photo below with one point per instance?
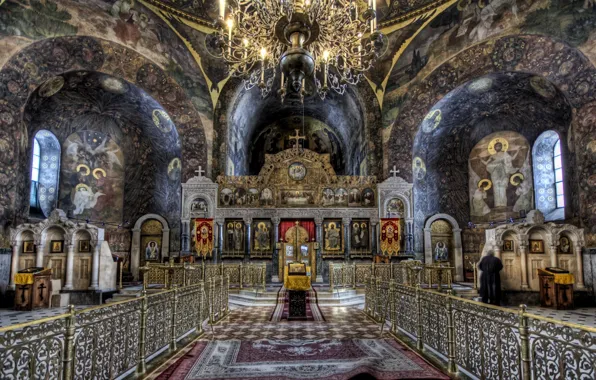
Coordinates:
(325, 298)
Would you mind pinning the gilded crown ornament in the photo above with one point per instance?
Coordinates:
(320, 44)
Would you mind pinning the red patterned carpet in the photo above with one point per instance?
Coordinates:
(282, 308)
(247, 345)
(300, 359)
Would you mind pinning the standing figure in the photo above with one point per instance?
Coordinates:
(490, 279)
(151, 251)
(500, 166)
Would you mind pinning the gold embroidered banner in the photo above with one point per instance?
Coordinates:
(204, 236)
(390, 236)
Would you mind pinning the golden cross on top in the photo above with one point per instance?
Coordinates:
(297, 137)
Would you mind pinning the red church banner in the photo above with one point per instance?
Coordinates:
(204, 237)
(390, 236)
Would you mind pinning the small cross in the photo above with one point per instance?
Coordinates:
(297, 137)
(200, 171)
(41, 287)
(395, 171)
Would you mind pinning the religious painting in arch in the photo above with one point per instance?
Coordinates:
(360, 237)
(442, 242)
(395, 208)
(500, 177)
(198, 206)
(151, 241)
(234, 238)
(262, 241)
(92, 176)
(333, 236)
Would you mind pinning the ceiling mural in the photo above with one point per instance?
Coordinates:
(276, 137)
(354, 119)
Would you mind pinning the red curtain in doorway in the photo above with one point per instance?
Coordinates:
(309, 225)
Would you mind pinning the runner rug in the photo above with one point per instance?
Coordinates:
(282, 308)
(300, 359)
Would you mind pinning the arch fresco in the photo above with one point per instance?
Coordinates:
(38, 62)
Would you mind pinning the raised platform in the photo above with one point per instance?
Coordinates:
(340, 297)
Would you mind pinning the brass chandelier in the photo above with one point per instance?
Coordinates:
(328, 43)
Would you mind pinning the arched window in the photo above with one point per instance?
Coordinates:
(558, 165)
(33, 201)
(45, 169)
(548, 176)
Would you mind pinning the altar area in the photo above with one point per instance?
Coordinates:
(297, 209)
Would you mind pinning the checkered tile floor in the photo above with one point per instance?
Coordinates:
(10, 317)
(585, 316)
(252, 323)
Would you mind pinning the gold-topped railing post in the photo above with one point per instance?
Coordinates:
(144, 270)
(451, 364)
(331, 278)
(174, 316)
(141, 368)
(241, 279)
(121, 266)
(211, 300)
(69, 350)
(392, 313)
(525, 343)
(201, 306)
(419, 341)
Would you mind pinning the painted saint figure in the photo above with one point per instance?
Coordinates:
(441, 252)
(262, 237)
(500, 166)
(152, 251)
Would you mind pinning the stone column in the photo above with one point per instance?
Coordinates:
(95, 267)
(498, 251)
(409, 236)
(185, 236)
(69, 267)
(248, 223)
(428, 249)
(459, 255)
(135, 253)
(220, 238)
(165, 242)
(580, 268)
(215, 249)
(524, 266)
(553, 255)
(275, 256)
(14, 265)
(319, 256)
(39, 248)
(347, 240)
(374, 242)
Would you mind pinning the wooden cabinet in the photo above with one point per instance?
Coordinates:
(556, 288)
(33, 289)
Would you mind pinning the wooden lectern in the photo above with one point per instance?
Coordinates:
(33, 288)
(556, 288)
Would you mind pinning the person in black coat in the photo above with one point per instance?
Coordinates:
(490, 279)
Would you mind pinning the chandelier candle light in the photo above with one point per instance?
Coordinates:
(328, 44)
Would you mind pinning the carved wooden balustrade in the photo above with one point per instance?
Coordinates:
(112, 340)
(479, 340)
